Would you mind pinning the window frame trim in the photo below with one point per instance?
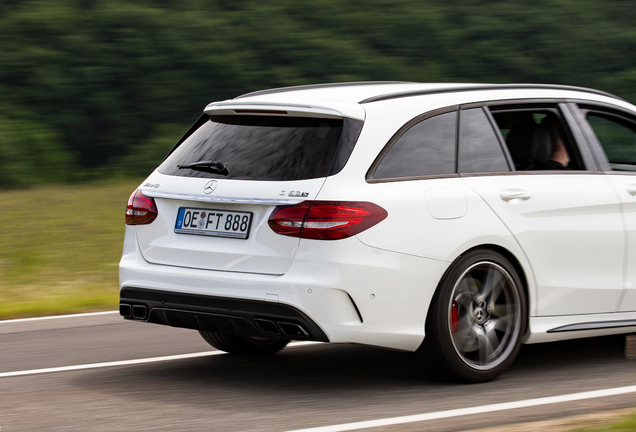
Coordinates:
(571, 117)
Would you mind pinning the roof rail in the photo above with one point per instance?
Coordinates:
(317, 86)
(485, 87)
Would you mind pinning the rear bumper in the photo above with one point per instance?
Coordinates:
(218, 314)
(340, 291)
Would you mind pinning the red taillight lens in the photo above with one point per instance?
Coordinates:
(141, 209)
(325, 220)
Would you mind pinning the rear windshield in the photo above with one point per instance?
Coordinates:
(265, 148)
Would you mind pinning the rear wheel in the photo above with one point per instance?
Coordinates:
(246, 345)
(477, 319)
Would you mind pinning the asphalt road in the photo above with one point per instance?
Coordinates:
(301, 387)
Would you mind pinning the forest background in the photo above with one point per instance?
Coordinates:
(99, 89)
(95, 93)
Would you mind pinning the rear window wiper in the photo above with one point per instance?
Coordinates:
(214, 167)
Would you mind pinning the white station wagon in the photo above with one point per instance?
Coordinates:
(457, 221)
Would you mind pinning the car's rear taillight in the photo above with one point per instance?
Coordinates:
(325, 220)
(141, 209)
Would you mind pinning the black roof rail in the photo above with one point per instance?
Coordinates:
(485, 87)
(317, 86)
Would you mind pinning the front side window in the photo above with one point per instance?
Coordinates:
(618, 138)
(425, 149)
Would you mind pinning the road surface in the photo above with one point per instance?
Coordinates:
(304, 386)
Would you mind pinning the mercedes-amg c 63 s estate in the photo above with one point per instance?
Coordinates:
(457, 221)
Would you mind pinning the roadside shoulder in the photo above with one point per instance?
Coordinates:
(583, 422)
(60, 322)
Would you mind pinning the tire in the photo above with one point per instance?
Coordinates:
(476, 320)
(245, 345)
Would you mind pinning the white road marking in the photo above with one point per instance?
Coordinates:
(347, 426)
(58, 316)
(334, 428)
(126, 362)
(472, 410)
(109, 364)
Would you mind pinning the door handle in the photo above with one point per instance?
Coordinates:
(515, 195)
(631, 189)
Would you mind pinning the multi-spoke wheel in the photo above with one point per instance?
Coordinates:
(476, 319)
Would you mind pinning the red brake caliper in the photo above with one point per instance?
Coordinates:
(454, 318)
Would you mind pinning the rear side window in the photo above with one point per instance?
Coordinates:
(265, 148)
(427, 148)
(479, 147)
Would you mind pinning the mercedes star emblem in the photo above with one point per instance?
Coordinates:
(209, 187)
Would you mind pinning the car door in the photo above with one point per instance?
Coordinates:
(612, 132)
(567, 222)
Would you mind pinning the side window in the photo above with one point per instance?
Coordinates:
(618, 138)
(427, 148)
(537, 138)
(479, 148)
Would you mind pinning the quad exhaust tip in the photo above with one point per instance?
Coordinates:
(292, 330)
(139, 312)
(266, 326)
(125, 310)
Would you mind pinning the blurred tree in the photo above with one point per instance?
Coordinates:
(103, 77)
(145, 157)
(32, 153)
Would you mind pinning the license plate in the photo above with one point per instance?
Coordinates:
(217, 223)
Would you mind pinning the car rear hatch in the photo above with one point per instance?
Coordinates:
(215, 191)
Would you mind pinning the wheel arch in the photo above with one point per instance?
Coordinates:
(438, 354)
(515, 263)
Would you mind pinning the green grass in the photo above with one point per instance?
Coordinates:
(619, 424)
(60, 247)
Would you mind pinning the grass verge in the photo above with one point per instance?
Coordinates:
(604, 421)
(60, 247)
(620, 423)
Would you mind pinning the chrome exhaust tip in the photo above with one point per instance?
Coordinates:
(139, 312)
(293, 330)
(266, 326)
(125, 310)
